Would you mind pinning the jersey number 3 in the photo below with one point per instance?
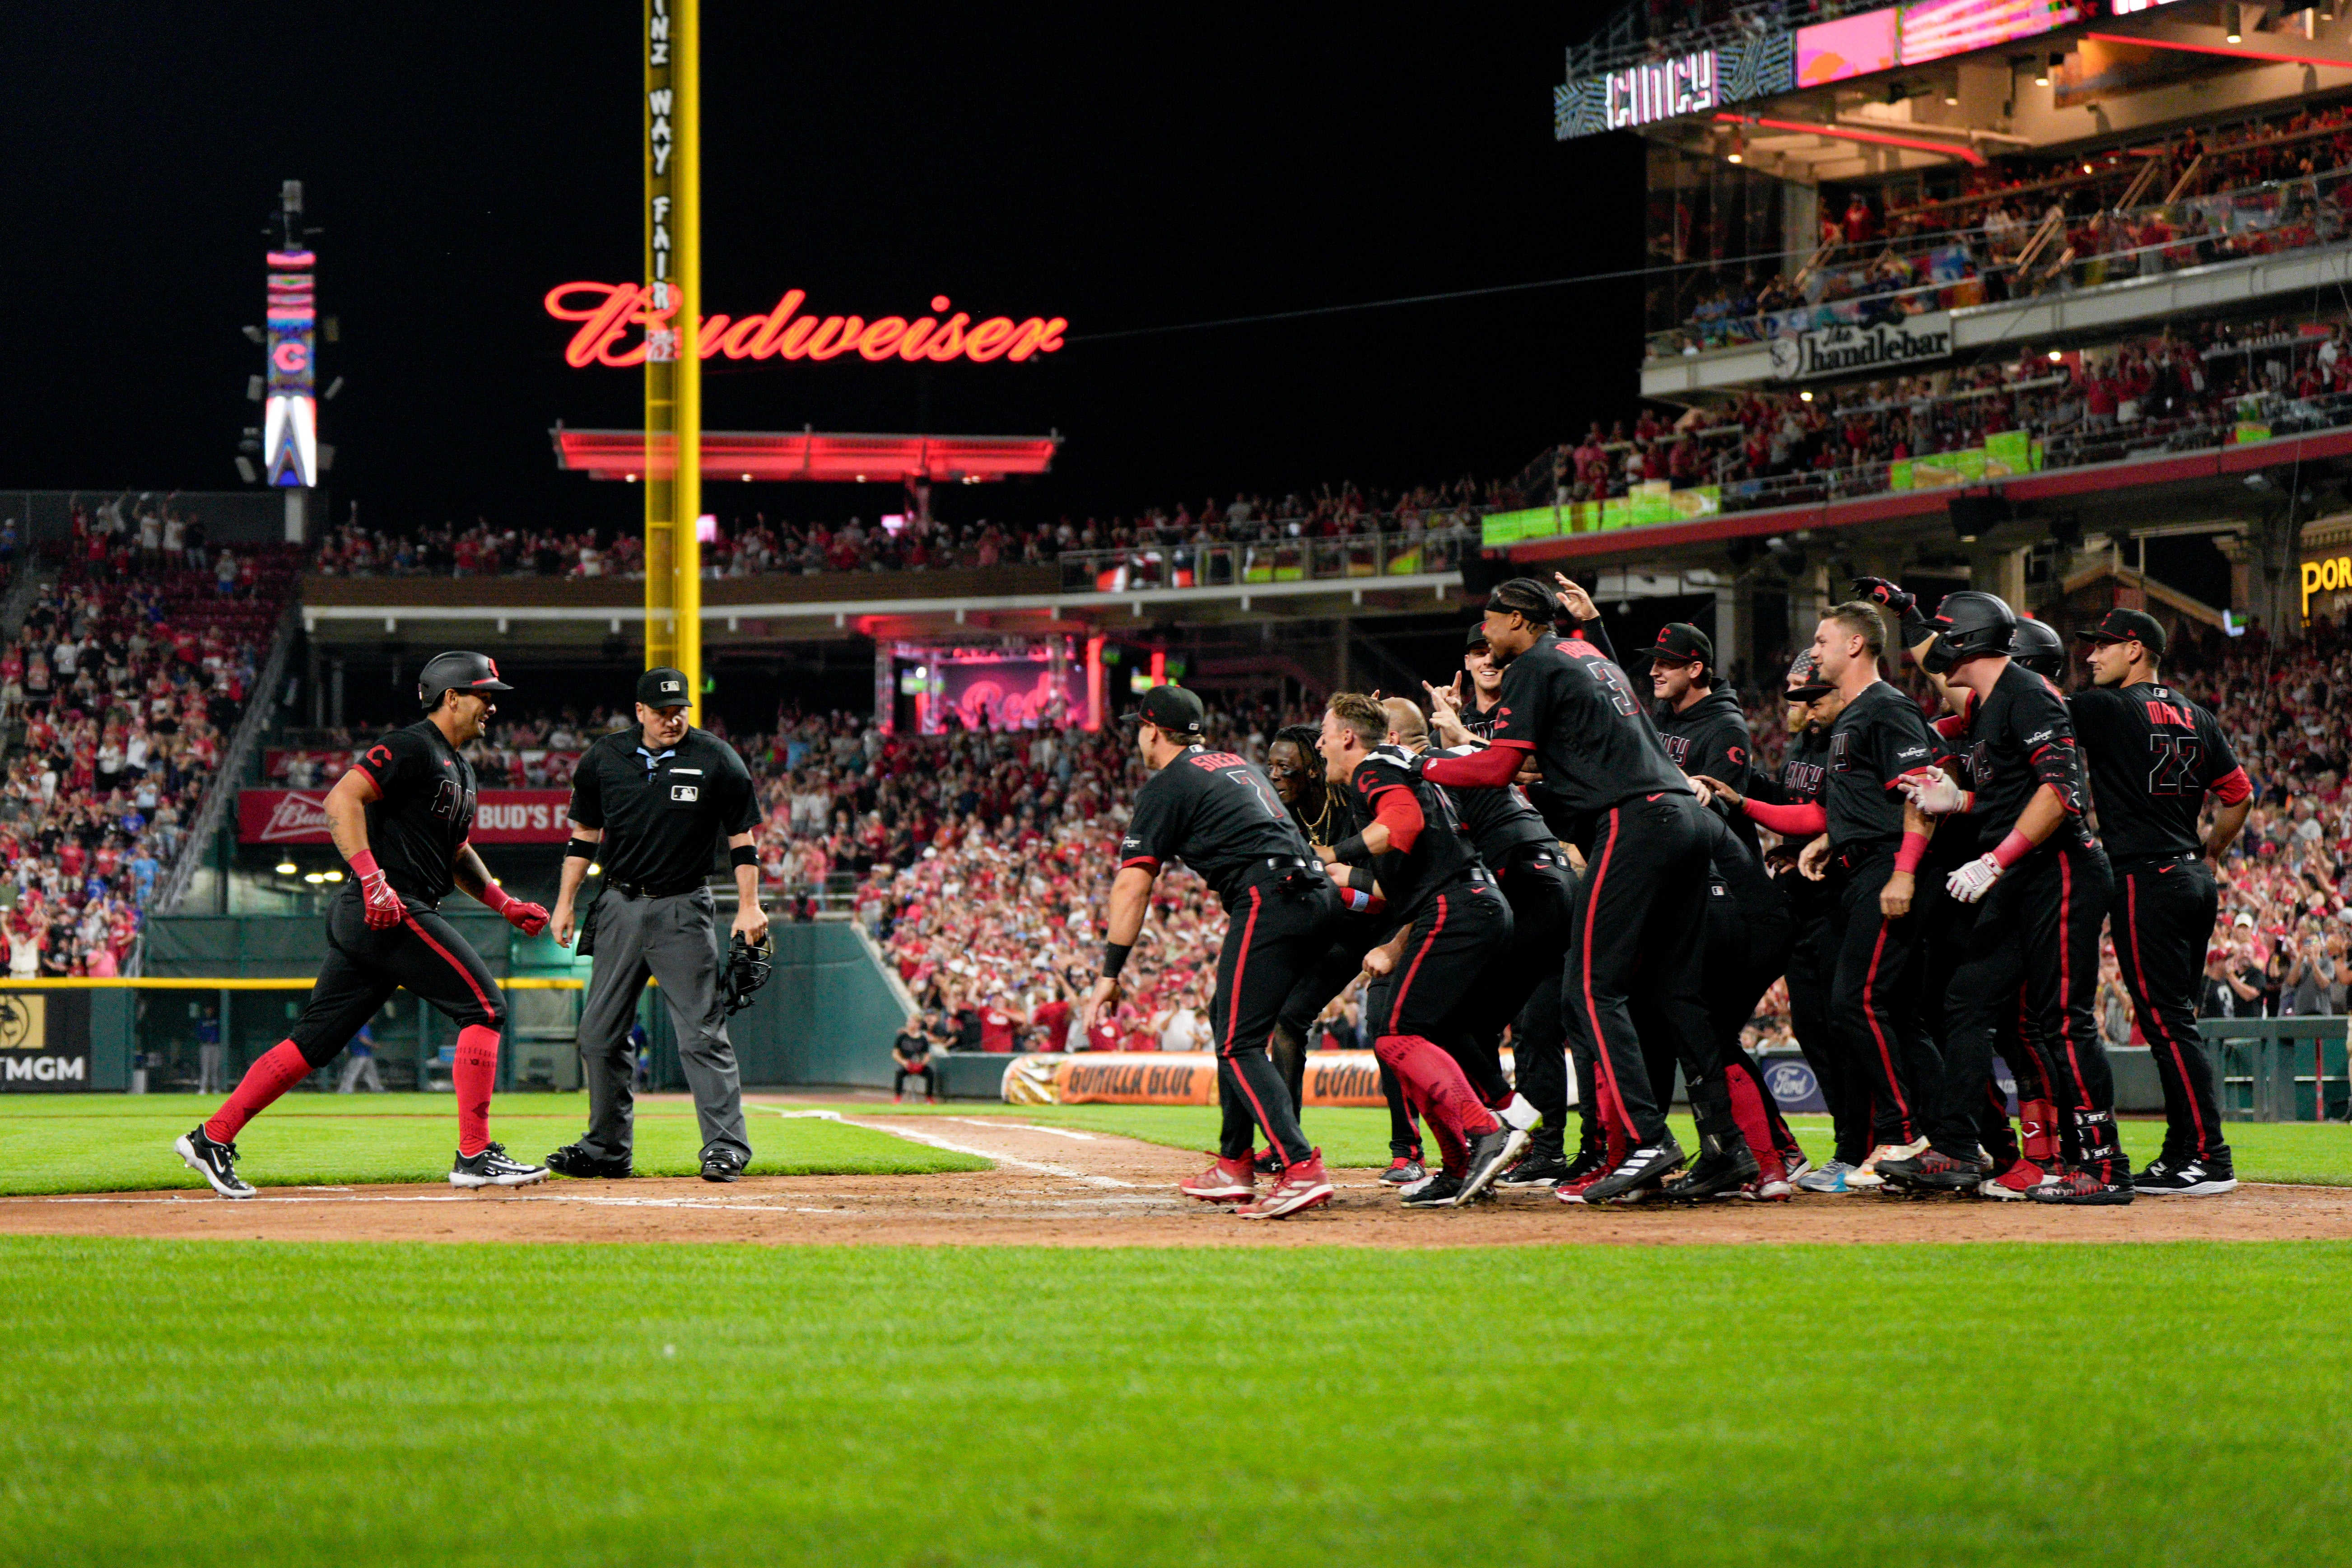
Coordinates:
(1614, 685)
(2174, 768)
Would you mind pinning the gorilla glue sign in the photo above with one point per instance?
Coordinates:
(615, 318)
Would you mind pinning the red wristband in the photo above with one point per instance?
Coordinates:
(363, 865)
(1906, 858)
(2012, 849)
(496, 897)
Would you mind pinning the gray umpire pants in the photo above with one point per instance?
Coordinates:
(672, 941)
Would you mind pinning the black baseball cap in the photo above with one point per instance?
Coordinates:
(1478, 636)
(1682, 643)
(664, 688)
(1172, 709)
(2128, 625)
(1805, 682)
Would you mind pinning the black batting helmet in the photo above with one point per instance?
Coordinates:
(1968, 625)
(2039, 647)
(457, 672)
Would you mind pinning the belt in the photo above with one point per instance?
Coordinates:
(649, 891)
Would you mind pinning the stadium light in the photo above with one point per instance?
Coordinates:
(313, 878)
(286, 867)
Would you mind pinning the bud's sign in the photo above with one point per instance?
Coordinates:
(500, 816)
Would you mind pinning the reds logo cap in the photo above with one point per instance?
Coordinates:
(1679, 642)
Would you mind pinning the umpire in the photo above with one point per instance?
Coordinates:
(651, 805)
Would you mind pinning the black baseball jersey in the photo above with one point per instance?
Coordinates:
(664, 814)
(1880, 737)
(1591, 733)
(2151, 754)
(1440, 858)
(1710, 738)
(1562, 825)
(1216, 814)
(1500, 822)
(2020, 738)
(423, 811)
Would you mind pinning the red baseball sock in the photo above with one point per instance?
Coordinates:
(476, 1069)
(1755, 1126)
(1450, 1104)
(280, 1069)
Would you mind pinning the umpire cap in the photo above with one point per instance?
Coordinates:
(2128, 625)
(1173, 709)
(2038, 647)
(458, 672)
(1968, 625)
(664, 688)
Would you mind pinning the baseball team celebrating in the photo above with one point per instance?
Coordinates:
(1561, 853)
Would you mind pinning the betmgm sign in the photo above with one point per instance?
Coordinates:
(44, 1042)
(1845, 348)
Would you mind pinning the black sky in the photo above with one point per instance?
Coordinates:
(1117, 167)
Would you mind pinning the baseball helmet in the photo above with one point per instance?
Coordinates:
(457, 672)
(1968, 625)
(2039, 649)
(747, 971)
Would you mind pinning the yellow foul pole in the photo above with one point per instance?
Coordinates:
(673, 366)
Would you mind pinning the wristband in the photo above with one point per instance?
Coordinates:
(1906, 858)
(1348, 848)
(580, 849)
(742, 855)
(363, 865)
(2012, 849)
(1114, 958)
(498, 897)
(1916, 626)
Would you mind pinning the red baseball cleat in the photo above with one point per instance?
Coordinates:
(2011, 1185)
(1302, 1187)
(1227, 1180)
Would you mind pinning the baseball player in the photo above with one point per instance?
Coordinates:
(2154, 755)
(650, 804)
(400, 818)
(1218, 815)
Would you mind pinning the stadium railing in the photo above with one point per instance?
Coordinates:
(2280, 1070)
(1401, 553)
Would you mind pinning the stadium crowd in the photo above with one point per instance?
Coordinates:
(116, 696)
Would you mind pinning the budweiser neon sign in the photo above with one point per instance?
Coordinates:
(608, 312)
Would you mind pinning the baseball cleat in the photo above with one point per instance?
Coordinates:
(1866, 1174)
(1491, 1154)
(2012, 1185)
(216, 1163)
(1725, 1165)
(1796, 1167)
(1440, 1192)
(493, 1168)
(1227, 1180)
(1768, 1190)
(1643, 1168)
(572, 1160)
(1936, 1171)
(2189, 1179)
(1402, 1172)
(1302, 1187)
(722, 1165)
(1828, 1177)
(1536, 1171)
(1520, 1113)
(2079, 1187)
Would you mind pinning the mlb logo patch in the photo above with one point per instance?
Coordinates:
(685, 792)
(668, 686)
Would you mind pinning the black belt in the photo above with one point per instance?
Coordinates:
(647, 891)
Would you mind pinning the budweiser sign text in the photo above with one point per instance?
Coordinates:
(500, 816)
(607, 312)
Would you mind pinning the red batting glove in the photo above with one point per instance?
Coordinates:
(528, 919)
(384, 908)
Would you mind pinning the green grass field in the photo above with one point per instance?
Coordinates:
(64, 1144)
(2315, 1152)
(240, 1403)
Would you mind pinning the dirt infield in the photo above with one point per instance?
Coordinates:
(1054, 1187)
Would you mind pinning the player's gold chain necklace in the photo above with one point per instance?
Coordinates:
(1319, 830)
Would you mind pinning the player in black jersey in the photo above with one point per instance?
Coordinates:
(1218, 813)
(1453, 927)
(1642, 904)
(1521, 986)
(400, 817)
(2047, 880)
(2154, 755)
(1700, 722)
(1329, 817)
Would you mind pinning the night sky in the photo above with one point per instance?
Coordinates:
(1122, 169)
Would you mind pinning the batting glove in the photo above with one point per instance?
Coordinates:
(526, 918)
(1933, 791)
(384, 910)
(1881, 591)
(1975, 879)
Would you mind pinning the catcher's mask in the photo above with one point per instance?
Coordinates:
(747, 971)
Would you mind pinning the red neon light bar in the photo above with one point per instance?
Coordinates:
(1960, 150)
(816, 455)
(2234, 51)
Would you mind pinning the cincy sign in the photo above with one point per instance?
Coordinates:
(609, 313)
(1662, 90)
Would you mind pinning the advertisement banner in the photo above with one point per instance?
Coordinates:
(1755, 66)
(1181, 1077)
(500, 816)
(44, 1042)
(1936, 29)
(1852, 46)
(1842, 349)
